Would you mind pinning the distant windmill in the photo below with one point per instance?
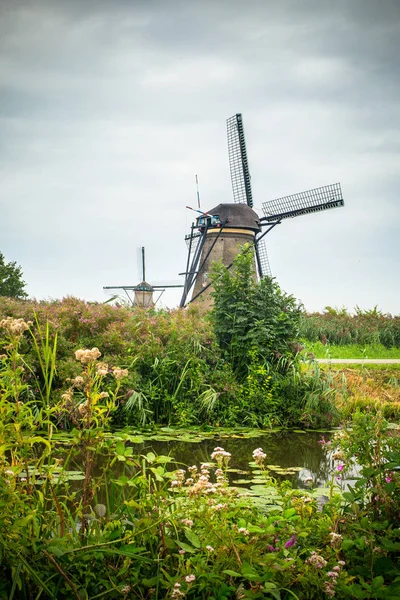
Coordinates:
(143, 292)
(217, 234)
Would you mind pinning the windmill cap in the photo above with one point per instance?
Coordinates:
(238, 215)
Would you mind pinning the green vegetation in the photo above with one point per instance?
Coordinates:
(338, 327)
(320, 350)
(136, 528)
(85, 516)
(11, 283)
(237, 367)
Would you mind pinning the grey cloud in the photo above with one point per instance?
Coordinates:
(108, 109)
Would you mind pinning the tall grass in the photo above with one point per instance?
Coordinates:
(341, 328)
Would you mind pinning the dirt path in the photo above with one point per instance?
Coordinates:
(359, 361)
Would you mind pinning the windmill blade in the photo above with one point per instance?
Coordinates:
(192, 240)
(264, 269)
(303, 203)
(192, 261)
(238, 163)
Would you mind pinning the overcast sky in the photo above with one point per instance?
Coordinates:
(108, 109)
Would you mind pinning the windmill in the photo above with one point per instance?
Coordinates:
(217, 234)
(143, 292)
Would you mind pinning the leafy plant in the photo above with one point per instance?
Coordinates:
(11, 282)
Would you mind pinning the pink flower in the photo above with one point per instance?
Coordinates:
(340, 467)
(291, 542)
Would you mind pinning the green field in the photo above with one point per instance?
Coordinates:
(350, 350)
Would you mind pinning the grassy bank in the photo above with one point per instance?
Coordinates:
(320, 350)
(137, 528)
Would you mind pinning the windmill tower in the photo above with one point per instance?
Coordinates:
(219, 233)
(143, 292)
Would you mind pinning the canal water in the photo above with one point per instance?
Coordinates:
(297, 456)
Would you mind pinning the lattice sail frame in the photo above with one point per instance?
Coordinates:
(264, 267)
(238, 163)
(303, 203)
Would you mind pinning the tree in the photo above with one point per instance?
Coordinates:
(252, 317)
(11, 282)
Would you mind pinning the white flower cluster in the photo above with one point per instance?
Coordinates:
(329, 586)
(15, 326)
(120, 373)
(86, 356)
(336, 540)
(199, 480)
(316, 561)
(259, 456)
(221, 456)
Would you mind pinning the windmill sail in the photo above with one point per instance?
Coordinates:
(238, 163)
(303, 203)
(264, 269)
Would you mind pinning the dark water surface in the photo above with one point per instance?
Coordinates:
(295, 456)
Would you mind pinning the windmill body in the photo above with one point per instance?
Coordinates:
(143, 292)
(144, 295)
(218, 234)
(238, 225)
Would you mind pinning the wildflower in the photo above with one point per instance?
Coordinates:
(244, 531)
(221, 456)
(180, 474)
(86, 356)
(388, 479)
(339, 455)
(187, 522)
(9, 472)
(329, 589)
(126, 589)
(78, 381)
(333, 574)
(102, 369)
(219, 506)
(83, 408)
(306, 499)
(259, 456)
(181, 552)
(340, 467)
(177, 592)
(175, 483)
(291, 542)
(15, 326)
(316, 561)
(120, 373)
(336, 540)
(341, 563)
(190, 578)
(103, 395)
(209, 548)
(271, 548)
(68, 395)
